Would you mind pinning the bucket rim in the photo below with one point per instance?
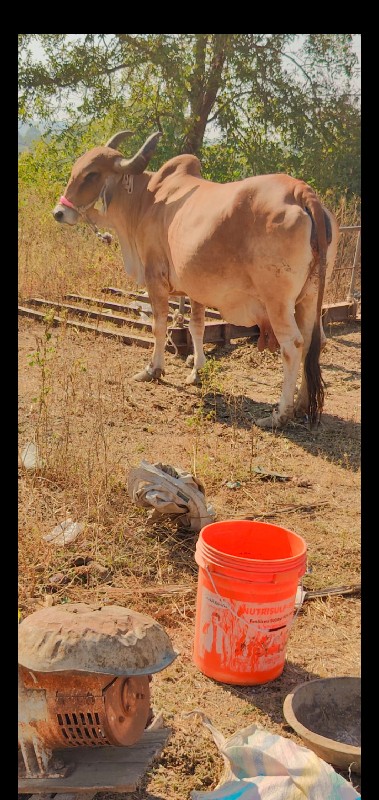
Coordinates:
(227, 560)
(258, 522)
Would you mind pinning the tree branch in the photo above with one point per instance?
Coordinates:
(297, 65)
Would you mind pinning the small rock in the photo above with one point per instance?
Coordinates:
(92, 571)
(82, 561)
(64, 533)
(103, 573)
(233, 484)
(57, 580)
(30, 457)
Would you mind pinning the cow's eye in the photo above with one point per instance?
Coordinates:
(91, 176)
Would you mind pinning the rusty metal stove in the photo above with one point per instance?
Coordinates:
(84, 681)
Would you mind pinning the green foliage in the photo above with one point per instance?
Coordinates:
(244, 103)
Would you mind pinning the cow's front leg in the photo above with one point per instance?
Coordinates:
(159, 305)
(196, 328)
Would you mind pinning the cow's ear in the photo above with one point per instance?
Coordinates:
(139, 162)
(106, 194)
(115, 140)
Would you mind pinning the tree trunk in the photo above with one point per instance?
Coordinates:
(205, 84)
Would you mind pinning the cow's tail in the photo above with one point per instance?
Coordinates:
(312, 369)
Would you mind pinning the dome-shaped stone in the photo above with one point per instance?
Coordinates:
(91, 638)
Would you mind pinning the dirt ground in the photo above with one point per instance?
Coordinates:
(92, 423)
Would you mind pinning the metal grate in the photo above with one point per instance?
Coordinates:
(82, 728)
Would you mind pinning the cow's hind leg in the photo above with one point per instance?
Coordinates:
(291, 343)
(196, 328)
(323, 336)
(159, 305)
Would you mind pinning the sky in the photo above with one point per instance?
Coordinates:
(38, 52)
(357, 45)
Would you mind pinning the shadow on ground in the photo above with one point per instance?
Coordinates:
(269, 697)
(335, 439)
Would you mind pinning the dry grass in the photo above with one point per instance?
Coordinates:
(92, 423)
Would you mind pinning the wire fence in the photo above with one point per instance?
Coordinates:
(345, 283)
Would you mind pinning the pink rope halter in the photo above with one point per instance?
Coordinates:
(64, 202)
(105, 237)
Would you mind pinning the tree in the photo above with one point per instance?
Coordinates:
(272, 99)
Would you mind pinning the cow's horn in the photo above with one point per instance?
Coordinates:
(115, 140)
(137, 164)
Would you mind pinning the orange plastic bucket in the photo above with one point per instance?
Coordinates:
(247, 582)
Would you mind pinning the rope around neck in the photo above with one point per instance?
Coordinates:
(105, 237)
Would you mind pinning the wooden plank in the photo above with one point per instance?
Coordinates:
(64, 796)
(101, 769)
(215, 331)
(113, 290)
(87, 312)
(209, 312)
(76, 796)
(133, 306)
(332, 312)
(179, 335)
(336, 312)
(127, 339)
(140, 301)
(339, 312)
(43, 797)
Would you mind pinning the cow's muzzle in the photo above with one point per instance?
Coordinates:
(64, 214)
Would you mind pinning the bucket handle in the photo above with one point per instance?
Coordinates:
(241, 619)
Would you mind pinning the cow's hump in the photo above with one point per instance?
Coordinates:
(180, 165)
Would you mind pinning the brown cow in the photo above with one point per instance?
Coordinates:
(259, 250)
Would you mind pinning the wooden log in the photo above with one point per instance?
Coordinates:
(101, 769)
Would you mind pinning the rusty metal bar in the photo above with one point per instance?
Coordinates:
(349, 298)
(182, 302)
(354, 269)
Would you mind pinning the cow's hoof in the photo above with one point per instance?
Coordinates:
(273, 422)
(266, 422)
(301, 412)
(148, 374)
(190, 360)
(194, 379)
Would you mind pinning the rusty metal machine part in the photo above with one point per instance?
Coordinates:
(89, 709)
(84, 674)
